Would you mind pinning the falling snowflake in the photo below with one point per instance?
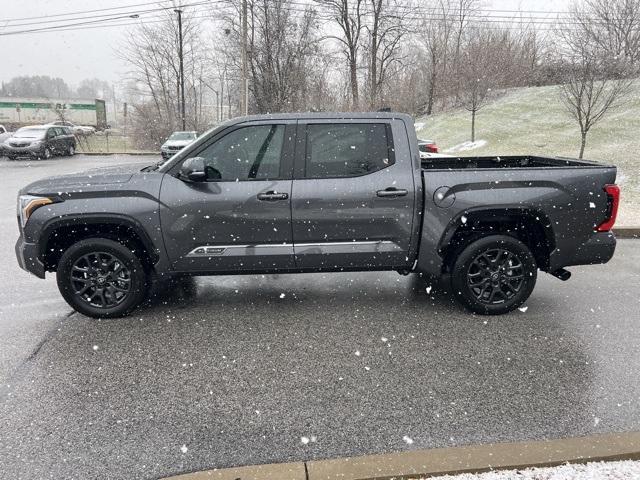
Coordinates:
(384, 339)
(95, 347)
(357, 354)
(304, 440)
(282, 295)
(408, 440)
(184, 449)
(592, 205)
(429, 289)
(463, 219)
(523, 309)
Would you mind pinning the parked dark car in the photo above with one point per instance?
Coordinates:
(292, 193)
(40, 142)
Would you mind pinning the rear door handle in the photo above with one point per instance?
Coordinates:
(272, 196)
(392, 192)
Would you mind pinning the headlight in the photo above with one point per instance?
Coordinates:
(36, 143)
(27, 204)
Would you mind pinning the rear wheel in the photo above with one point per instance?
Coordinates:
(101, 278)
(494, 275)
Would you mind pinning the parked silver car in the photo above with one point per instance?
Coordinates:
(176, 142)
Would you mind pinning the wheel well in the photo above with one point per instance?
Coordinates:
(62, 237)
(531, 228)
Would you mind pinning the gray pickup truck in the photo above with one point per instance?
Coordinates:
(317, 192)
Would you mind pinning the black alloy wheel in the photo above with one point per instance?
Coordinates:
(494, 274)
(100, 279)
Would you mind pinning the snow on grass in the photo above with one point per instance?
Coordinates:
(534, 121)
(625, 470)
(465, 146)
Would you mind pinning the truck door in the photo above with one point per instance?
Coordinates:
(353, 194)
(238, 218)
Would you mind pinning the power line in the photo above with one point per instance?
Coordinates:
(428, 14)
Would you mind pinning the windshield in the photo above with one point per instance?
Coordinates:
(30, 133)
(182, 136)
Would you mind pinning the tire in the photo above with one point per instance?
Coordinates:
(101, 278)
(494, 275)
(46, 154)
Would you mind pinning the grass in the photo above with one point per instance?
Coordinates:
(534, 121)
(101, 143)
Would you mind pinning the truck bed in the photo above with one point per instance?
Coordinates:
(509, 161)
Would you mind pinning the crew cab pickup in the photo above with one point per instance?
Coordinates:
(291, 193)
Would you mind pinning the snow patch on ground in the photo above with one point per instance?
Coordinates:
(463, 147)
(418, 125)
(626, 470)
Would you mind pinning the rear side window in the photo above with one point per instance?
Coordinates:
(347, 150)
(60, 131)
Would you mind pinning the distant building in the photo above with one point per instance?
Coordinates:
(28, 111)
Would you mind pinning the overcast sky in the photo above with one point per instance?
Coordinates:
(79, 54)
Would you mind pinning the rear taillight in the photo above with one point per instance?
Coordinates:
(613, 200)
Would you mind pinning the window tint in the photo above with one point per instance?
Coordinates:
(346, 150)
(245, 154)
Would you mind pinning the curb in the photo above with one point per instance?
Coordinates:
(627, 232)
(442, 461)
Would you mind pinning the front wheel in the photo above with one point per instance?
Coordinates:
(46, 154)
(101, 278)
(494, 275)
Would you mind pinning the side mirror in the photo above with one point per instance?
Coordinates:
(192, 170)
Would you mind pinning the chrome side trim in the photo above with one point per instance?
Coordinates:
(291, 249)
(221, 250)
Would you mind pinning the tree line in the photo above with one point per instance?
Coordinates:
(351, 55)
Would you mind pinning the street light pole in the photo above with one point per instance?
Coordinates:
(179, 12)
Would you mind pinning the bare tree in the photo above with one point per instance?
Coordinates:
(595, 80)
(348, 15)
(282, 46)
(387, 28)
(591, 90)
(152, 54)
(613, 26)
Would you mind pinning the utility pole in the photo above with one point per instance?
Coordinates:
(244, 91)
(179, 12)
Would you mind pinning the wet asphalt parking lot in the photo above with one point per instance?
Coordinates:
(227, 371)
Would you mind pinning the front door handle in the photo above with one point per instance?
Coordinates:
(272, 195)
(392, 192)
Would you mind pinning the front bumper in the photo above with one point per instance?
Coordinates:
(30, 151)
(599, 248)
(27, 254)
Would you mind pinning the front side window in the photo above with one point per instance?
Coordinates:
(346, 150)
(248, 153)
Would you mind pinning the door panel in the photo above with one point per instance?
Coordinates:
(226, 225)
(361, 221)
